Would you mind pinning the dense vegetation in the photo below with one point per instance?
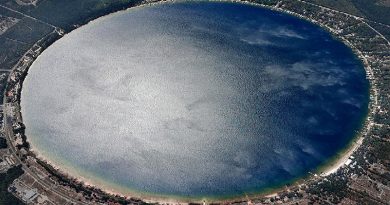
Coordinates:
(371, 9)
(66, 14)
(70, 14)
(3, 143)
(6, 179)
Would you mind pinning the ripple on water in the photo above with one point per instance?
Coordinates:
(194, 99)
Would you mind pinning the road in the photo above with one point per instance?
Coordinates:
(8, 130)
(8, 133)
(353, 16)
(28, 16)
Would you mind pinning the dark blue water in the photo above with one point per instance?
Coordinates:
(195, 99)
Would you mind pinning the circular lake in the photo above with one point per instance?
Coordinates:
(194, 100)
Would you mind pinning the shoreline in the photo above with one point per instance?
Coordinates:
(343, 159)
(327, 169)
(78, 178)
(107, 187)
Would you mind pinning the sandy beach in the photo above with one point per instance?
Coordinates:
(327, 169)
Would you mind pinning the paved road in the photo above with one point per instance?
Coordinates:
(25, 15)
(8, 131)
(353, 16)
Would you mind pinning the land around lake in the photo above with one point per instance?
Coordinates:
(361, 172)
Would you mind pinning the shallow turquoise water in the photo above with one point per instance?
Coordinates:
(195, 99)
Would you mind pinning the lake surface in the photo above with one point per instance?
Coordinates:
(194, 100)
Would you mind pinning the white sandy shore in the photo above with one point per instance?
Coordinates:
(329, 169)
(333, 167)
(71, 173)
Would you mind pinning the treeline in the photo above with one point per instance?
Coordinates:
(6, 198)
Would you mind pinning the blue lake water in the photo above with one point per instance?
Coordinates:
(194, 99)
